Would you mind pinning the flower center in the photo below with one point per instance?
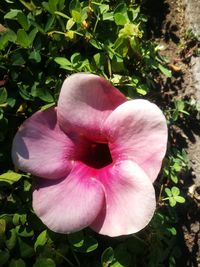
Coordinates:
(98, 156)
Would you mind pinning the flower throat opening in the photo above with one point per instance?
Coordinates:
(98, 156)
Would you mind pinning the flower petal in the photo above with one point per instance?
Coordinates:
(41, 148)
(137, 130)
(85, 102)
(129, 197)
(70, 204)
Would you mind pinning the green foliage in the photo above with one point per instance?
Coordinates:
(42, 43)
(174, 196)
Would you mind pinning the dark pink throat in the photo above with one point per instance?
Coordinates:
(97, 156)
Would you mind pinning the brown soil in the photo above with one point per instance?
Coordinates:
(168, 28)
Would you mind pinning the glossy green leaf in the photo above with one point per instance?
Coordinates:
(12, 14)
(165, 71)
(19, 219)
(3, 95)
(22, 19)
(35, 55)
(107, 257)
(75, 10)
(23, 38)
(41, 240)
(62, 61)
(53, 5)
(10, 177)
(45, 95)
(6, 37)
(121, 15)
(11, 239)
(32, 35)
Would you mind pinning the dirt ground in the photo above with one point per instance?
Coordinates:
(168, 27)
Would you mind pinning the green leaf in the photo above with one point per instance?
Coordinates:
(75, 10)
(24, 91)
(165, 71)
(122, 257)
(42, 93)
(22, 19)
(23, 38)
(168, 192)
(53, 5)
(62, 61)
(174, 178)
(45, 95)
(24, 231)
(76, 239)
(82, 243)
(96, 44)
(29, 5)
(180, 199)
(8, 36)
(172, 202)
(41, 240)
(49, 23)
(70, 24)
(35, 55)
(107, 257)
(175, 191)
(19, 219)
(108, 16)
(103, 8)
(17, 263)
(172, 230)
(100, 60)
(12, 14)
(121, 15)
(142, 89)
(11, 240)
(44, 262)
(47, 106)
(134, 13)
(17, 59)
(89, 245)
(3, 95)
(2, 226)
(61, 4)
(76, 16)
(4, 257)
(25, 249)
(32, 35)
(10, 177)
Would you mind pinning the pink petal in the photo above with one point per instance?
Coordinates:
(70, 204)
(130, 200)
(137, 130)
(85, 102)
(41, 148)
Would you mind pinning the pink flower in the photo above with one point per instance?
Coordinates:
(97, 155)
